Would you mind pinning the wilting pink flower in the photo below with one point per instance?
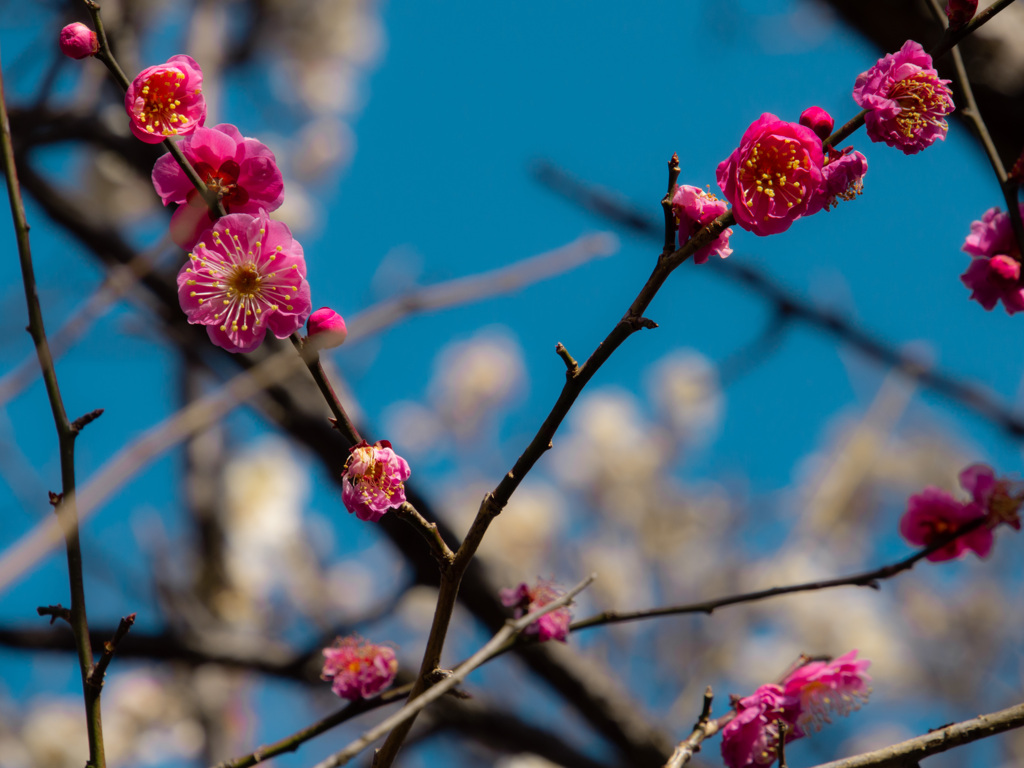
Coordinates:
(247, 275)
(242, 172)
(960, 12)
(751, 738)
(357, 668)
(997, 497)
(693, 208)
(78, 41)
(933, 514)
(772, 176)
(905, 99)
(166, 100)
(526, 599)
(994, 272)
(822, 689)
(373, 480)
(818, 120)
(328, 327)
(842, 179)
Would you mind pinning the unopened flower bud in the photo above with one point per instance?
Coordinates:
(328, 327)
(960, 12)
(818, 120)
(78, 41)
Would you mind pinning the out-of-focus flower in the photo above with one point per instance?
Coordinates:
(327, 327)
(685, 387)
(772, 176)
(818, 120)
(242, 172)
(825, 688)
(358, 669)
(933, 514)
(166, 100)
(247, 276)
(751, 739)
(994, 272)
(994, 496)
(693, 208)
(960, 12)
(905, 99)
(373, 480)
(526, 599)
(78, 41)
(842, 179)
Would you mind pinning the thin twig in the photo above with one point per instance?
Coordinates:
(671, 225)
(571, 366)
(311, 357)
(98, 671)
(702, 730)
(442, 553)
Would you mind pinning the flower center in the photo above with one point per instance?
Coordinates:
(160, 109)
(245, 281)
(922, 103)
(768, 169)
(224, 182)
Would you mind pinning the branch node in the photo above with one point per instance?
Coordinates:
(99, 670)
(55, 498)
(572, 368)
(82, 421)
(55, 612)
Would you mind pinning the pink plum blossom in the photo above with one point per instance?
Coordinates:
(751, 738)
(999, 498)
(693, 208)
(247, 276)
(327, 327)
(842, 179)
(526, 599)
(825, 688)
(933, 514)
(78, 41)
(373, 480)
(994, 272)
(166, 100)
(358, 669)
(818, 120)
(905, 99)
(960, 12)
(242, 172)
(771, 178)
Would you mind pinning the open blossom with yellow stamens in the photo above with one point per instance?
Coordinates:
(166, 100)
(906, 101)
(772, 178)
(246, 275)
(373, 480)
(358, 668)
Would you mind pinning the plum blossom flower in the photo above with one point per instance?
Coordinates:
(997, 497)
(526, 599)
(328, 327)
(960, 12)
(825, 688)
(772, 176)
(751, 738)
(842, 179)
(905, 99)
(373, 480)
(357, 668)
(166, 100)
(248, 275)
(693, 208)
(933, 514)
(242, 172)
(994, 271)
(818, 120)
(78, 41)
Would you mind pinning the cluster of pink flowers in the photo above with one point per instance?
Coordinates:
(994, 272)
(358, 669)
(934, 514)
(374, 480)
(804, 701)
(526, 599)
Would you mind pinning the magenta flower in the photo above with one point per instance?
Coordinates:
(247, 276)
(772, 176)
(78, 41)
(166, 100)
(960, 12)
(996, 497)
(526, 599)
(328, 327)
(751, 738)
(825, 688)
(933, 514)
(693, 208)
(818, 120)
(242, 172)
(357, 668)
(994, 272)
(905, 99)
(842, 179)
(373, 480)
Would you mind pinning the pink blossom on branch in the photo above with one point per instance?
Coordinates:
(693, 208)
(247, 276)
(837, 687)
(751, 738)
(906, 101)
(998, 497)
(327, 327)
(818, 120)
(933, 514)
(373, 480)
(772, 177)
(358, 669)
(842, 179)
(241, 171)
(525, 600)
(994, 272)
(78, 41)
(166, 100)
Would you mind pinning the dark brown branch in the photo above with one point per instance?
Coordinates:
(705, 727)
